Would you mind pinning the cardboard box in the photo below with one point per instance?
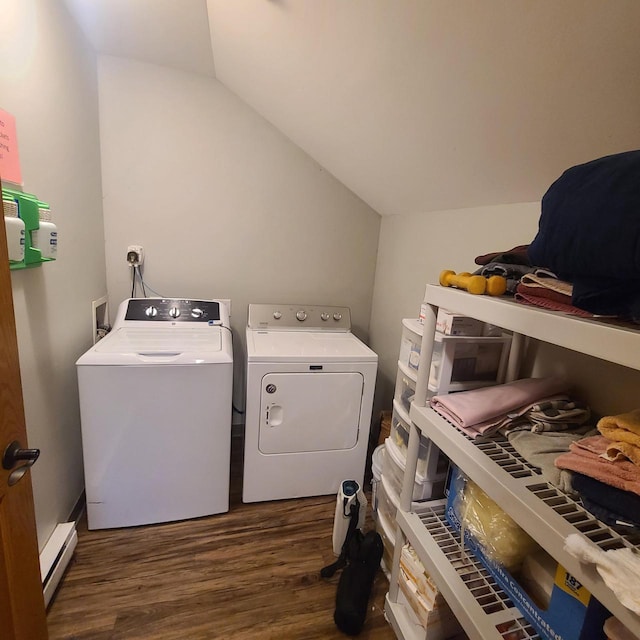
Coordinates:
(455, 324)
(572, 614)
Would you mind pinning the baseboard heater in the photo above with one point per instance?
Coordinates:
(55, 557)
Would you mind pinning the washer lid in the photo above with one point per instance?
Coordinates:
(149, 345)
(301, 346)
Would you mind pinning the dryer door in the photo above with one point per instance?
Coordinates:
(301, 412)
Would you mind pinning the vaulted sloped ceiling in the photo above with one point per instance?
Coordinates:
(415, 105)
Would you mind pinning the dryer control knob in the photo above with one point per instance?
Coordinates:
(324, 316)
(337, 317)
(301, 315)
(151, 312)
(277, 315)
(174, 312)
(197, 313)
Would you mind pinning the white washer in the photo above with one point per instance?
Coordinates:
(155, 408)
(310, 385)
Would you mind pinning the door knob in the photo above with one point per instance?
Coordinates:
(13, 455)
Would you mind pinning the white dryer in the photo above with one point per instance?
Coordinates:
(310, 385)
(155, 408)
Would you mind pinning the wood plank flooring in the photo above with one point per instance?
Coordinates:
(249, 573)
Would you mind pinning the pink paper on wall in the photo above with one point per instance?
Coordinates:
(9, 160)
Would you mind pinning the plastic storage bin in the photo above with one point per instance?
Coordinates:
(431, 462)
(410, 343)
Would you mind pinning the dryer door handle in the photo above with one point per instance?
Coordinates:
(274, 415)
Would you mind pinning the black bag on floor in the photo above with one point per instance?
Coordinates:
(359, 560)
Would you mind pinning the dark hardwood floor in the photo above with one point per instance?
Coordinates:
(250, 573)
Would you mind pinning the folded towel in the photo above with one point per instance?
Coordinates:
(623, 430)
(542, 449)
(557, 413)
(619, 568)
(548, 280)
(542, 292)
(546, 303)
(622, 451)
(610, 505)
(585, 456)
(484, 409)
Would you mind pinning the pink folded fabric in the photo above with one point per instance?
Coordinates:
(585, 457)
(552, 305)
(483, 409)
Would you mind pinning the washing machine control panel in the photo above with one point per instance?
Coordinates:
(285, 317)
(173, 310)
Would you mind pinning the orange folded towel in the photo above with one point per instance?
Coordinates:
(623, 430)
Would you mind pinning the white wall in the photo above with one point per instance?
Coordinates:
(48, 82)
(223, 204)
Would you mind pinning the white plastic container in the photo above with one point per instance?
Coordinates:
(15, 231)
(45, 238)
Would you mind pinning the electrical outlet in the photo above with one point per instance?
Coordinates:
(135, 255)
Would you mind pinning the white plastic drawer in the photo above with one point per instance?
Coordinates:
(405, 386)
(393, 474)
(431, 463)
(410, 344)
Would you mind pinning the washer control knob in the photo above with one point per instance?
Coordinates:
(197, 313)
(174, 312)
(151, 312)
(301, 315)
(277, 315)
(337, 317)
(324, 316)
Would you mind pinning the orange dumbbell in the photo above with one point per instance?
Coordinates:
(493, 286)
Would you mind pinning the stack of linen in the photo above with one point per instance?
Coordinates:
(533, 404)
(605, 469)
(537, 416)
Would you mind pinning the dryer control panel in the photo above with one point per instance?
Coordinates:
(173, 310)
(298, 317)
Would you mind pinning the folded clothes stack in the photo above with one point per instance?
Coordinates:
(606, 469)
(544, 289)
(537, 404)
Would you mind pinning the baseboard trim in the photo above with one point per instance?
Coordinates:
(55, 557)
(58, 551)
